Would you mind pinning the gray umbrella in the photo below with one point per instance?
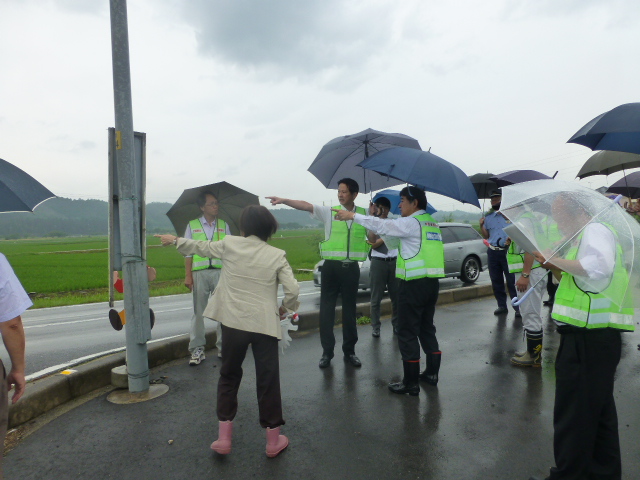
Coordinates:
(19, 191)
(339, 159)
(231, 201)
(606, 162)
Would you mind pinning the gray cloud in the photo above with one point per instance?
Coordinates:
(291, 37)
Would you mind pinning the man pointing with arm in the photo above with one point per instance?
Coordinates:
(344, 246)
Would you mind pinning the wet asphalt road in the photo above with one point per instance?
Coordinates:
(62, 336)
(485, 420)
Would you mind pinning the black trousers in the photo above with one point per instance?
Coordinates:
(338, 278)
(416, 307)
(265, 354)
(498, 272)
(586, 444)
(551, 287)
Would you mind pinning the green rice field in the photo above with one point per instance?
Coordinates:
(67, 271)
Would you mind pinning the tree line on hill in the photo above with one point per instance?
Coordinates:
(60, 217)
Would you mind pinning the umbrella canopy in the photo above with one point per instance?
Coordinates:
(231, 202)
(424, 170)
(483, 184)
(518, 176)
(617, 129)
(339, 158)
(628, 186)
(552, 217)
(607, 162)
(394, 198)
(19, 191)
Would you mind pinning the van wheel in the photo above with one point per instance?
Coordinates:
(470, 270)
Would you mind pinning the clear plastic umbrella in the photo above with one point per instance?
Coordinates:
(553, 217)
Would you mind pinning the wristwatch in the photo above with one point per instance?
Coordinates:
(175, 242)
(525, 275)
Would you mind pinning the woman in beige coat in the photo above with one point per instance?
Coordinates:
(245, 303)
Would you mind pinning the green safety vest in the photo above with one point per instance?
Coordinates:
(344, 242)
(592, 310)
(197, 233)
(515, 255)
(429, 261)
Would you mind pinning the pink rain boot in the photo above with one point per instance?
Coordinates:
(275, 442)
(223, 444)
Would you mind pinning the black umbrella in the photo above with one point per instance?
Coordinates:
(231, 202)
(607, 162)
(19, 191)
(518, 176)
(483, 184)
(629, 186)
(339, 159)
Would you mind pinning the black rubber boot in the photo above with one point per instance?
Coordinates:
(534, 342)
(430, 375)
(409, 383)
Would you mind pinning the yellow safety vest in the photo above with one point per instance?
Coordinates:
(197, 233)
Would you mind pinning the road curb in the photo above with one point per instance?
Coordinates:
(47, 393)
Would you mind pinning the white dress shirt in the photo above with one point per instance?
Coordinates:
(405, 230)
(13, 299)
(597, 256)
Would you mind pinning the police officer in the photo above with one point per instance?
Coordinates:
(344, 246)
(491, 228)
(419, 265)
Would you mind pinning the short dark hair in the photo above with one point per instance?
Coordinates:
(351, 184)
(412, 193)
(259, 221)
(201, 200)
(383, 202)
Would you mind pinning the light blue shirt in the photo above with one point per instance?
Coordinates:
(494, 223)
(13, 299)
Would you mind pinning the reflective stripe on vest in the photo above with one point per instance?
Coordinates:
(344, 242)
(429, 261)
(197, 233)
(592, 310)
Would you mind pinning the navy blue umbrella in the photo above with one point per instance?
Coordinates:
(424, 170)
(394, 198)
(518, 176)
(617, 129)
(339, 158)
(19, 191)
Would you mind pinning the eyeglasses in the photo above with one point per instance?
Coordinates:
(211, 204)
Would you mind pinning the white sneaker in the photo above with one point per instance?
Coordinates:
(197, 356)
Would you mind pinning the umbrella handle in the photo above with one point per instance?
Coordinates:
(515, 301)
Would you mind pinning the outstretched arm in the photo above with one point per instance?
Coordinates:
(297, 204)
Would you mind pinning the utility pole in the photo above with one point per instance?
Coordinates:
(130, 201)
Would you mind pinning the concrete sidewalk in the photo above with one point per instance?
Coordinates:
(485, 420)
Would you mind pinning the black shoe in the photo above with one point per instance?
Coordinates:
(412, 389)
(353, 360)
(376, 332)
(500, 310)
(430, 375)
(324, 361)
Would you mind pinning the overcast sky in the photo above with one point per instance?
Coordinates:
(248, 91)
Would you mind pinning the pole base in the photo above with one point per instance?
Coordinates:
(124, 397)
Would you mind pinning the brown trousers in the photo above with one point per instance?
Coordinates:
(265, 353)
